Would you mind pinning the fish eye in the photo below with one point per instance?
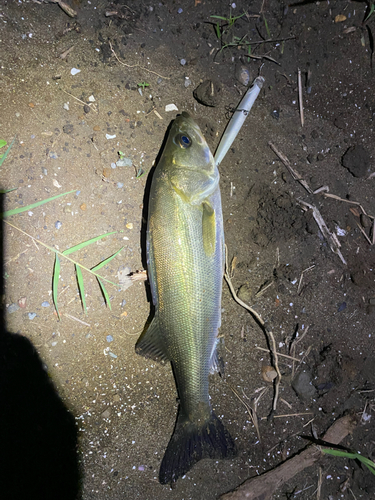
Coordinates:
(183, 140)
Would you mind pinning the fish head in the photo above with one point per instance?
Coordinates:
(188, 161)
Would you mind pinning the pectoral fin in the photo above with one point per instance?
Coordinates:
(208, 228)
(150, 344)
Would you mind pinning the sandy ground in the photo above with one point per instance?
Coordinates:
(83, 387)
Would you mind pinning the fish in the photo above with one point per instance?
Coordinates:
(185, 265)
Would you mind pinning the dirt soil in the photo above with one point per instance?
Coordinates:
(85, 385)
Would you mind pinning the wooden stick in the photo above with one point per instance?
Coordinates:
(296, 176)
(300, 98)
(264, 486)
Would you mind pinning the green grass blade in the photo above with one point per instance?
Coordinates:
(19, 210)
(7, 151)
(96, 268)
(55, 282)
(220, 17)
(2, 143)
(5, 191)
(105, 293)
(267, 28)
(85, 243)
(371, 11)
(354, 456)
(81, 287)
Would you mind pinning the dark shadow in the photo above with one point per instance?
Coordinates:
(38, 435)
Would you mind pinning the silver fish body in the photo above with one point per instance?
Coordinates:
(185, 252)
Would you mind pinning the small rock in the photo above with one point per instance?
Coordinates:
(171, 107)
(268, 373)
(66, 106)
(96, 128)
(91, 98)
(109, 338)
(58, 224)
(44, 171)
(275, 114)
(113, 165)
(124, 162)
(120, 185)
(83, 206)
(129, 225)
(180, 11)
(32, 316)
(182, 62)
(107, 172)
(106, 414)
(112, 354)
(314, 134)
(207, 93)
(22, 302)
(242, 74)
(108, 136)
(74, 71)
(357, 161)
(123, 303)
(244, 293)
(12, 308)
(86, 109)
(45, 303)
(53, 156)
(302, 385)
(187, 82)
(320, 157)
(365, 221)
(341, 307)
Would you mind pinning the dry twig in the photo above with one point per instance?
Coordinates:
(264, 486)
(296, 176)
(137, 65)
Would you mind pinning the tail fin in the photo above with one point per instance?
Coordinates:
(190, 443)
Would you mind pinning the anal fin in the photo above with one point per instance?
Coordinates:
(150, 344)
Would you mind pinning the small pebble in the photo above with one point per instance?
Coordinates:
(53, 344)
(12, 308)
(129, 225)
(109, 338)
(140, 91)
(142, 467)
(86, 109)
(22, 302)
(53, 156)
(113, 165)
(78, 192)
(180, 11)
(92, 98)
(124, 162)
(108, 136)
(58, 224)
(187, 82)
(123, 303)
(171, 107)
(66, 106)
(32, 316)
(45, 303)
(83, 206)
(112, 355)
(44, 171)
(341, 307)
(74, 71)
(120, 185)
(183, 62)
